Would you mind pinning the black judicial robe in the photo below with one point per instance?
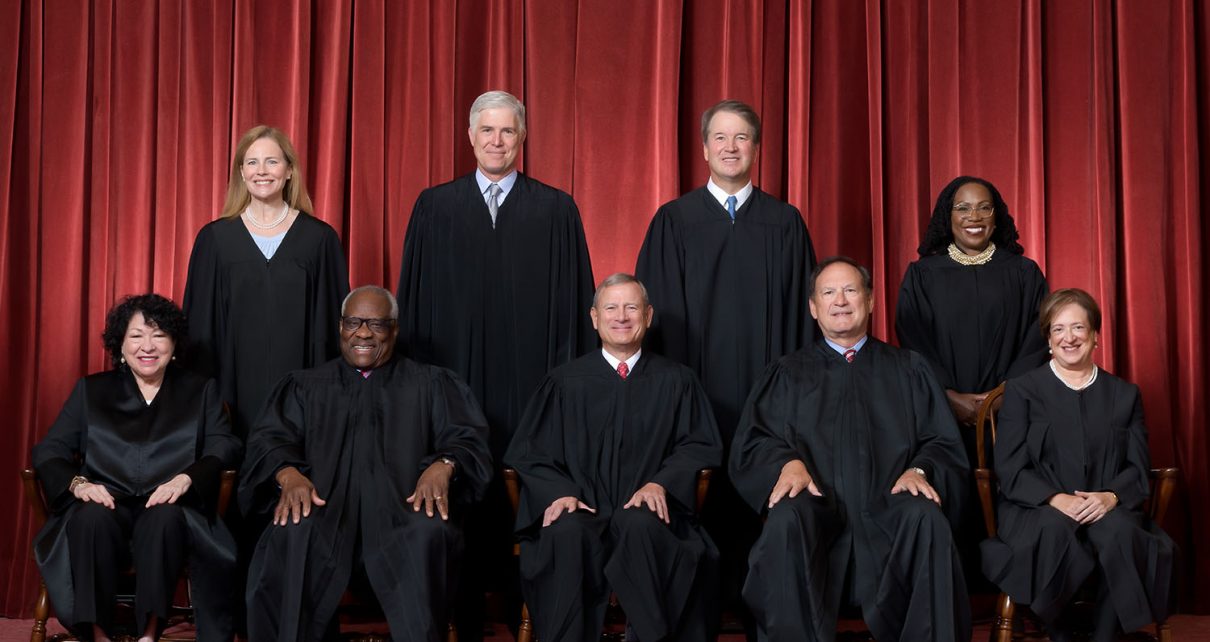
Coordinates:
(363, 443)
(1051, 439)
(730, 297)
(254, 320)
(108, 433)
(976, 324)
(587, 433)
(499, 306)
(857, 427)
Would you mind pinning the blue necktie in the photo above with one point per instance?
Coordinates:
(731, 201)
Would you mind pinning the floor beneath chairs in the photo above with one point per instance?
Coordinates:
(1186, 628)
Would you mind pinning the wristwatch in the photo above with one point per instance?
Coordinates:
(919, 471)
(449, 461)
(76, 481)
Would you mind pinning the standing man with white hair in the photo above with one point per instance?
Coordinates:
(494, 282)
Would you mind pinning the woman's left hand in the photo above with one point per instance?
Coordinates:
(1096, 506)
(170, 491)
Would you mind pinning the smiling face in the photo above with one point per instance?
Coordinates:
(496, 138)
(1072, 338)
(147, 349)
(972, 219)
(265, 170)
(363, 347)
(841, 304)
(729, 150)
(621, 317)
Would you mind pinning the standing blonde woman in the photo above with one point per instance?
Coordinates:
(265, 280)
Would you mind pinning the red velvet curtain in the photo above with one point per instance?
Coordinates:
(117, 120)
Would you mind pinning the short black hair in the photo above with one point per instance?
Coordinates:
(866, 279)
(939, 234)
(157, 311)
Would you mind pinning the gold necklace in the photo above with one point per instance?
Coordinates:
(966, 259)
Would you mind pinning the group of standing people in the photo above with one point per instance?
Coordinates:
(841, 472)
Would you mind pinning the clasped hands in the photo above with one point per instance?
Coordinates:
(166, 493)
(1084, 507)
(651, 495)
(794, 479)
(298, 494)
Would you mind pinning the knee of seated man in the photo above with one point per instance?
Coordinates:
(639, 519)
(163, 516)
(920, 510)
(796, 514)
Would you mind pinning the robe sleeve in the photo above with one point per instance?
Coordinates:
(914, 323)
(201, 304)
(574, 333)
(1032, 352)
(760, 448)
(939, 449)
(804, 265)
(536, 452)
(460, 432)
(1019, 482)
(697, 445)
(219, 449)
(661, 268)
(56, 458)
(332, 285)
(414, 330)
(275, 442)
(1131, 483)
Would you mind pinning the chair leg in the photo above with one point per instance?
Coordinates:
(1002, 629)
(41, 614)
(1163, 631)
(525, 633)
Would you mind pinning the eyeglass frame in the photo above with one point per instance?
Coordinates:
(385, 325)
(982, 209)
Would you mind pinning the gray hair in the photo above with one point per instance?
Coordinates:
(620, 278)
(867, 281)
(374, 289)
(496, 100)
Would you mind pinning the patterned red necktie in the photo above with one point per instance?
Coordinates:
(849, 354)
(623, 370)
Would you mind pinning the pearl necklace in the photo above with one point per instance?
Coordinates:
(270, 225)
(1091, 378)
(966, 259)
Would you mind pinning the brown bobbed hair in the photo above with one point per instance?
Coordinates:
(1060, 299)
(295, 192)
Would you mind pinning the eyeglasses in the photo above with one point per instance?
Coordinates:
(964, 209)
(377, 326)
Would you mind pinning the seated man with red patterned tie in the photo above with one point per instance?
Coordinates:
(849, 447)
(608, 452)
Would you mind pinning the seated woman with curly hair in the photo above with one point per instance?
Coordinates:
(131, 469)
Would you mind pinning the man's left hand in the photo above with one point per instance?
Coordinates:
(432, 490)
(915, 483)
(652, 496)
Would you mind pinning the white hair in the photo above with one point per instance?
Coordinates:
(376, 290)
(496, 100)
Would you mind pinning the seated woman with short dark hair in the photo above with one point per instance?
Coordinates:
(1072, 460)
(131, 469)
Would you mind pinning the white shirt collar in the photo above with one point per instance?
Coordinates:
(740, 197)
(841, 349)
(614, 361)
(506, 184)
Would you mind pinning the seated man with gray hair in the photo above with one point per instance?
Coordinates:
(368, 464)
(608, 452)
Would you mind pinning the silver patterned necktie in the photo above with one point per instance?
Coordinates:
(493, 201)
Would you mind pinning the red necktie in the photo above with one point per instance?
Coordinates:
(623, 370)
(849, 354)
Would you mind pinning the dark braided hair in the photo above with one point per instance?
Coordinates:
(939, 234)
(157, 311)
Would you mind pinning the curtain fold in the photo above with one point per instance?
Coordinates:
(118, 118)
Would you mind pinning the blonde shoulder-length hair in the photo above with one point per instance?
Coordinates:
(295, 192)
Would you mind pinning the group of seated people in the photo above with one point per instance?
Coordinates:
(367, 465)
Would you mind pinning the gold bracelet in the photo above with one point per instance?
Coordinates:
(76, 482)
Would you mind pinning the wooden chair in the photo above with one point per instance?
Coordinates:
(38, 504)
(1163, 484)
(512, 483)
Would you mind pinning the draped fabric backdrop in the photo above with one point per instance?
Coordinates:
(118, 119)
